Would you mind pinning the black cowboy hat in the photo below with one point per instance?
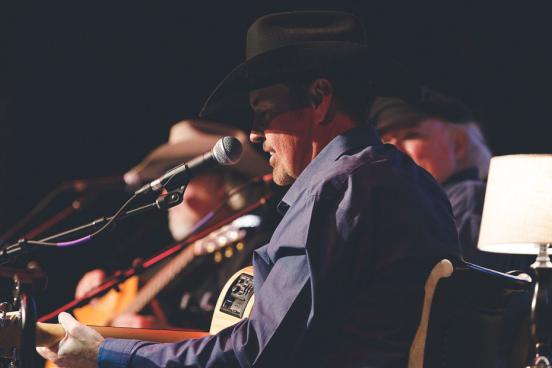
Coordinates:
(284, 46)
(393, 113)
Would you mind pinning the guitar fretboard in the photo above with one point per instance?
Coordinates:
(226, 235)
(160, 280)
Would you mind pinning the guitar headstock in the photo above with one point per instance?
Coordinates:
(226, 235)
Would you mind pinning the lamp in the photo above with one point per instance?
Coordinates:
(517, 219)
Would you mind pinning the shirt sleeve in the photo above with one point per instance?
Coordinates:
(272, 331)
(281, 314)
(277, 306)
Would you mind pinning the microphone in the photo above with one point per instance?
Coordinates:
(227, 151)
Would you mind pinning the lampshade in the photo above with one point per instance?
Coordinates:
(517, 214)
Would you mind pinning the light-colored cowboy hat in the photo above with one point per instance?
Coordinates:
(189, 139)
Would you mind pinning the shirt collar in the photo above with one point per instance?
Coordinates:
(468, 174)
(351, 141)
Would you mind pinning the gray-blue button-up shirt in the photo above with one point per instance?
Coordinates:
(340, 284)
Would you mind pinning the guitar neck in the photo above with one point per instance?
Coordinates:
(224, 236)
(49, 334)
(160, 280)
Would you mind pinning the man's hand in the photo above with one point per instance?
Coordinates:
(79, 348)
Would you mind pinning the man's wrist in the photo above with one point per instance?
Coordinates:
(115, 353)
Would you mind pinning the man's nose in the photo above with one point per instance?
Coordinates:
(256, 136)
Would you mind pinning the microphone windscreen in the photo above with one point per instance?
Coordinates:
(227, 150)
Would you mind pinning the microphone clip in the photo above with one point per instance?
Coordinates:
(171, 199)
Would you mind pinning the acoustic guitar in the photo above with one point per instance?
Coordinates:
(132, 299)
(234, 303)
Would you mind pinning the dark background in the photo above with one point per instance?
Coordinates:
(88, 88)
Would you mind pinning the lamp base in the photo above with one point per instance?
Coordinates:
(541, 310)
(542, 359)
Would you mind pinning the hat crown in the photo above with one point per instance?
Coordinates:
(392, 113)
(295, 45)
(290, 28)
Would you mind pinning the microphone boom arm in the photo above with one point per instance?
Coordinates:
(11, 252)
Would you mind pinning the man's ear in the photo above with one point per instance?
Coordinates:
(321, 98)
(460, 141)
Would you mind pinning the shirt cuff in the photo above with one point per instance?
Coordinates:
(115, 353)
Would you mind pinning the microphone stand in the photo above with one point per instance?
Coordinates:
(11, 252)
(58, 217)
(121, 276)
(80, 186)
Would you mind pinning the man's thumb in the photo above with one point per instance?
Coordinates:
(67, 321)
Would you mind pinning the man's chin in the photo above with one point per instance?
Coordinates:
(281, 178)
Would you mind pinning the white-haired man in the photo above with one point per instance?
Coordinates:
(441, 135)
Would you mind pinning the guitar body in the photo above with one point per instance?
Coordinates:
(104, 310)
(234, 303)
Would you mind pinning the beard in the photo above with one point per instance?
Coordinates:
(281, 178)
(279, 174)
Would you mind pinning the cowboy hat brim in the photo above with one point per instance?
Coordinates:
(344, 60)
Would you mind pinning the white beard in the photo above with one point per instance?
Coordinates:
(178, 227)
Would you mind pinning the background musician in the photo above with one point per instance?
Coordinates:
(189, 300)
(442, 136)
